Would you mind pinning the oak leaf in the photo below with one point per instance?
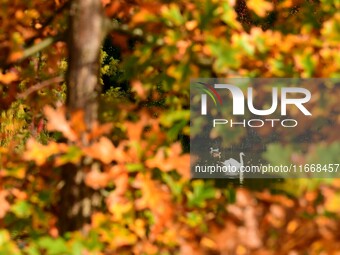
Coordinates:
(56, 121)
(102, 150)
(99, 130)
(119, 175)
(157, 198)
(172, 161)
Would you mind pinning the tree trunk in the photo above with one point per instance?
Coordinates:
(85, 38)
(86, 29)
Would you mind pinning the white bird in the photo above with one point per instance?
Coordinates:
(235, 165)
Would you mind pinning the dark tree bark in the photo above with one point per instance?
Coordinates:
(86, 31)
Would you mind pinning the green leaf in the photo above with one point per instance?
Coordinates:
(53, 246)
(194, 219)
(201, 193)
(134, 167)
(175, 186)
(171, 117)
(22, 209)
(226, 56)
(173, 14)
(176, 129)
(73, 155)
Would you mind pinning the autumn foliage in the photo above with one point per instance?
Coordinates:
(135, 158)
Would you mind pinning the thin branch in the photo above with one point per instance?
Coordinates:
(40, 46)
(40, 85)
(34, 49)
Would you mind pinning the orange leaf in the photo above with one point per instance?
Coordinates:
(19, 194)
(15, 56)
(137, 86)
(8, 78)
(147, 12)
(4, 205)
(99, 130)
(173, 161)
(96, 179)
(157, 198)
(77, 121)
(134, 130)
(56, 121)
(103, 150)
(119, 175)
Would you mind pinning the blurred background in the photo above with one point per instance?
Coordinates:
(101, 164)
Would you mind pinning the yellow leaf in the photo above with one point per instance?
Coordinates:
(98, 219)
(118, 210)
(332, 203)
(191, 25)
(260, 7)
(292, 226)
(39, 153)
